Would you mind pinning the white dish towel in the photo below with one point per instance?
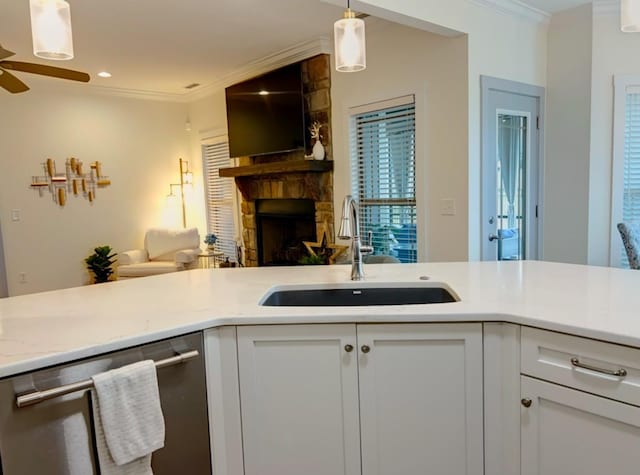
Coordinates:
(128, 419)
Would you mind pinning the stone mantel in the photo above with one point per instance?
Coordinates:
(278, 167)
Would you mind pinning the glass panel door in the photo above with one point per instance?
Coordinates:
(511, 158)
(510, 171)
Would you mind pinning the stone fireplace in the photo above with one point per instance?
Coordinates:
(292, 206)
(287, 198)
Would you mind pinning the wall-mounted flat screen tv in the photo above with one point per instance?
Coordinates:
(266, 114)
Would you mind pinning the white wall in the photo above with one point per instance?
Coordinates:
(614, 53)
(567, 136)
(499, 45)
(137, 141)
(402, 61)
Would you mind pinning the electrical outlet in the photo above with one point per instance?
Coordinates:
(23, 277)
(15, 215)
(447, 207)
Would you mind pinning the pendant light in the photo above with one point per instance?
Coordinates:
(51, 29)
(350, 49)
(630, 16)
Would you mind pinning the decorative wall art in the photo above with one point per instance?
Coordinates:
(74, 180)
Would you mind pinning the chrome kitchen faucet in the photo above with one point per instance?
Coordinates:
(350, 229)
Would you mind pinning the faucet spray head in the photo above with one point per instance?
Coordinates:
(346, 227)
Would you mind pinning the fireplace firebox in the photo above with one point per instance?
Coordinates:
(281, 227)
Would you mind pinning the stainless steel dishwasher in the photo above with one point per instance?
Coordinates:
(55, 436)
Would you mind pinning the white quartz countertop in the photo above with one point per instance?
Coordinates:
(49, 328)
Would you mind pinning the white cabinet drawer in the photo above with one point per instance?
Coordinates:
(604, 369)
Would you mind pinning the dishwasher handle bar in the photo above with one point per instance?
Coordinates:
(40, 396)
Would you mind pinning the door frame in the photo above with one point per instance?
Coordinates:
(4, 288)
(488, 84)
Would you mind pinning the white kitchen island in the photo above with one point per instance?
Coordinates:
(483, 373)
(48, 328)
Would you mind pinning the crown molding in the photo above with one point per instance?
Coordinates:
(606, 7)
(516, 8)
(263, 65)
(48, 85)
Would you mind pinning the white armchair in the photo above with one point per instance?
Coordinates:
(165, 250)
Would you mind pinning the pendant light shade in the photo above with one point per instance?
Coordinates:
(349, 39)
(630, 16)
(51, 29)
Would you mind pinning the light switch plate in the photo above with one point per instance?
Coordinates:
(15, 215)
(447, 207)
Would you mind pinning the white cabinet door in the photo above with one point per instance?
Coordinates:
(565, 431)
(421, 399)
(299, 399)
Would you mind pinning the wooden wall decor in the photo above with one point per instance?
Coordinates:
(75, 180)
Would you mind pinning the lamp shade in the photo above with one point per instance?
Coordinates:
(51, 29)
(350, 46)
(630, 16)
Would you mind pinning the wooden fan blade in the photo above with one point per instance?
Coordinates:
(11, 83)
(5, 53)
(45, 70)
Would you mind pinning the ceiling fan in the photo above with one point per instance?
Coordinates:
(14, 85)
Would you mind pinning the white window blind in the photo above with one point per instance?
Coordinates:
(631, 173)
(631, 193)
(219, 195)
(383, 176)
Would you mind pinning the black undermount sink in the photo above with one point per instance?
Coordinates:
(352, 296)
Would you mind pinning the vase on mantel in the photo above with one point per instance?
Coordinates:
(211, 247)
(318, 150)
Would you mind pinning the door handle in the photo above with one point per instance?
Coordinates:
(494, 237)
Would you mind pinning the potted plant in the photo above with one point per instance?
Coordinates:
(100, 263)
(210, 240)
(312, 260)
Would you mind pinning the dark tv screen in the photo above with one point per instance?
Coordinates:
(266, 114)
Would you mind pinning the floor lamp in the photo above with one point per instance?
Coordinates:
(186, 178)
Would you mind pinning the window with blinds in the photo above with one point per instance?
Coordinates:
(631, 173)
(219, 197)
(383, 176)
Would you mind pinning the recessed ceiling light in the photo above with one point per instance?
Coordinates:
(264, 93)
(104, 74)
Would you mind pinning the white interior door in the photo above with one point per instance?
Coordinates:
(510, 171)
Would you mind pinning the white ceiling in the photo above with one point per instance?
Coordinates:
(164, 45)
(553, 6)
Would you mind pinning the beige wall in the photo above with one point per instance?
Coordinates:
(402, 61)
(499, 45)
(137, 141)
(567, 136)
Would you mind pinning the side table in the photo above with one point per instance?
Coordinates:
(210, 259)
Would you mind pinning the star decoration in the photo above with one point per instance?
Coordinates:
(323, 248)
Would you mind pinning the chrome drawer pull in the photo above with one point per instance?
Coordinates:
(621, 373)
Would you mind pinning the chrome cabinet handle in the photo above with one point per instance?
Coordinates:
(526, 402)
(38, 396)
(348, 348)
(620, 373)
(365, 349)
